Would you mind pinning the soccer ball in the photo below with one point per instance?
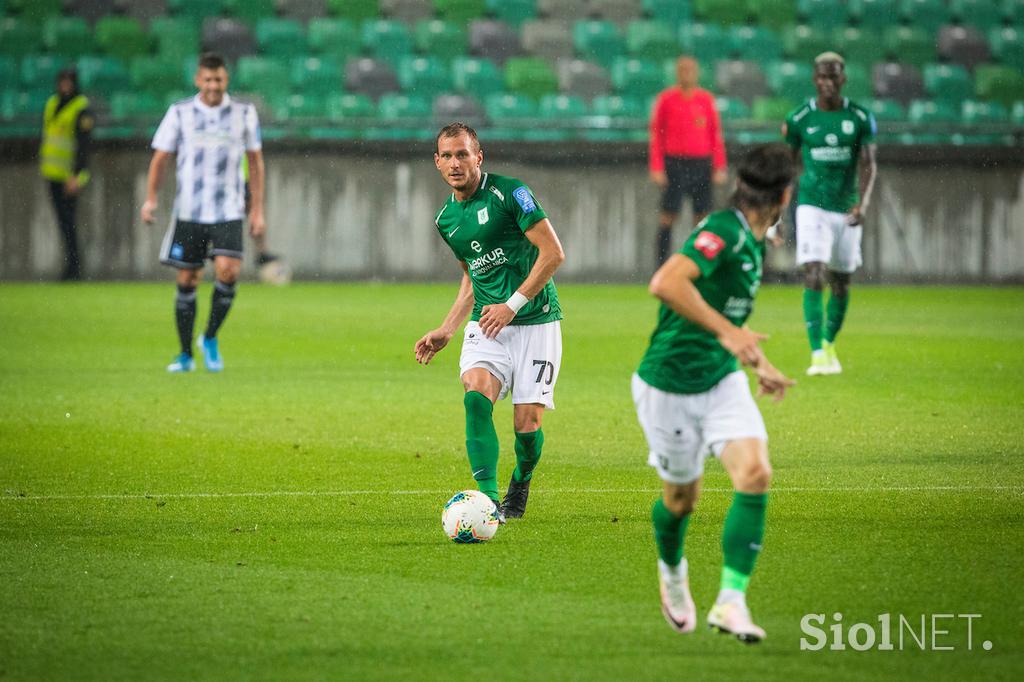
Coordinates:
(469, 516)
(275, 272)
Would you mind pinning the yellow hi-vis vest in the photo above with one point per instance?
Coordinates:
(57, 152)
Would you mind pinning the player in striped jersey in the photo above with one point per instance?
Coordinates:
(209, 134)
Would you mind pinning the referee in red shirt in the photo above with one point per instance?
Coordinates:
(686, 150)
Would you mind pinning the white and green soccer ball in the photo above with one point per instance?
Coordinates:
(469, 516)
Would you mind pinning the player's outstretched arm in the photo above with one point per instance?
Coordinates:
(433, 341)
(494, 318)
(257, 181)
(153, 178)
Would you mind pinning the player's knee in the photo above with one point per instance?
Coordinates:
(840, 283)
(756, 477)
(679, 501)
(814, 276)
(527, 421)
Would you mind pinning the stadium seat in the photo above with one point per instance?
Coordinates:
(599, 41)
(948, 82)
(443, 39)
(19, 37)
(825, 14)
(927, 15)
(354, 10)
(804, 43)
(546, 38)
(175, 37)
(672, 12)
(10, 70)
(909, 44)
(981, 14)
(386, 39)
(771, 109)
(38, 11)
(334, 38)
(791, 80)
(494, 40)
(561, 107)
(24, 104)
(1013, 12)
(268, 75)
(617, 119)
(408, 11)
(137, 105)
(963, 45)
(859, 85)
(93, 10)
(449, 107)
(39, 70)
(707, 42)
(250, 11)
(424, 76)
(973, 112)
(101, 75)
(637, 77)
(559, 9)
(999, 83)
(652, 39)
(773, 14)
(1008, 46)
(347, 105)
(460, 11)
(617, 106)
(281, 38)
(754, 43)
(68, 37)
(195, 10)
(506, 105)
(530, 76)
(900, 82)
(477, 77)
(122, 37)
(316, 75)
(722, 11)
(928, 111)
(302, 10)
(583, 78)
(740, 79)
(1017, 114)
(371, 77)
(232, 38)
(155, 74)
(732, 109)
(618, 11)
(857, 45)
(887, 110)
(874, 15)
(299, 107)
(513, 12)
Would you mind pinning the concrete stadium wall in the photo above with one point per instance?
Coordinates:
(366, 213)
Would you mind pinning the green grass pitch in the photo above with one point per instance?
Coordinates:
(282, 520)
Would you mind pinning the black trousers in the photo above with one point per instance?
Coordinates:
(64, 205)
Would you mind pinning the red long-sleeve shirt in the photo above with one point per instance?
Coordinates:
(685, 125)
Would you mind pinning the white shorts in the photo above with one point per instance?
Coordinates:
(524, 358)
(825, 237)
(683, 429)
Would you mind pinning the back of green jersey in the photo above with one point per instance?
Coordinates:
(487, 232)
(830, 143)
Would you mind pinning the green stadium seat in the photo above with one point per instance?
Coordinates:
(948, 82)
(68, 37)
(791, 80)
(874, 15)
(299, 107)
(754, 43)
(262, 74)
(617, 119)
(39, 70)
(477, 77)
(316, 75)
(771, 108)
(19, 37)
(909, 45)
(354, 10)
(175, 37)
(598, 41)
(507, 105)
(1017, 114)
(513, 12)
(707, 42)
(122, 37)
(25, 104)
(929, 111)
(443, 39)
(982, 14)
(335, 38)
(562, 111)
(137, 105)
(999, 83)
(732, 109)
(530, 76)
(1013, 12)
(424, 76)
(461, 11)
(250, 11)
(825, 14)
(10, 69)
(886, 110)
(562, 106)
(927, 15)
(281, 38)
(102, 75)
(155, 74)
(774, 14)
(804, 43)
(973, 112)
(651, 39)
(617, 106)
(857, 45)
(637, 77)
(672, 12)
(341, 106)
(36, 11)
(195, 10)
(722, 11)
(858, 82)
(396, 106)
(1008, 45)
(387, 39)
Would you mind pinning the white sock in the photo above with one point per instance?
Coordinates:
(731, 596)
(673, 572)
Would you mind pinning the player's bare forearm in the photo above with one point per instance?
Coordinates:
(461, 308)
(153, 179)
(550, 257)
(868, 172)
(257, 181)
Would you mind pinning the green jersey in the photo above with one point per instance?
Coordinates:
(683, 357)
(830, 144)
(487, 232)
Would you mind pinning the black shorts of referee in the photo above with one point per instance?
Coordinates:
(687, 176)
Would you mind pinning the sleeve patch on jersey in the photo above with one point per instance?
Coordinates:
(709, 244)
(522, 195)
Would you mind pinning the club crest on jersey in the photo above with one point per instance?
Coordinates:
(709, 244)
(475, 245)
(481, 215)
(848, 127)
(526, 202)
(831, 140)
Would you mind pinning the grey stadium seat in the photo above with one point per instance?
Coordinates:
(494, 40)
(91, 10)
(370, 77)
(230, 38)
(549, 38)
(566, 10)
(740, 79)
(143, 10)
(448, 108)
(619, 11)
(963, 45)
(302, 10)
(407, 10)
(583, 78)
(900, 82)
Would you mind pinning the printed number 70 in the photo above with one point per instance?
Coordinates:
(545, 365)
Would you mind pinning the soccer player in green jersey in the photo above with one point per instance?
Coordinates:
(508, 252)
(836, 140)
(692, 399)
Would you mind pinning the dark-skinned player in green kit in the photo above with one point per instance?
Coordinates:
(508, 251)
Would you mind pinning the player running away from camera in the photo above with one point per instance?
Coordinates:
(209, 133)
(508, 251)
(836, 140)
(693, 401)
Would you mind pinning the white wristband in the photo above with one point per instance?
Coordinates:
(516, 301)
(772, 231)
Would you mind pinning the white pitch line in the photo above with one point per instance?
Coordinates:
(554, 491)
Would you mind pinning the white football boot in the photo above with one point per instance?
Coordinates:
(733, 618)
(819, 364)
(833, 361)
(676, 602)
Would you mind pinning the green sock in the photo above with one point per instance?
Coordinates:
(741, 538)
(835, 314)
(669, 533)
(482, 442)
(812, 315)
(528, 447)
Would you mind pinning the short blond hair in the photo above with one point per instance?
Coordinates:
(830, 57)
